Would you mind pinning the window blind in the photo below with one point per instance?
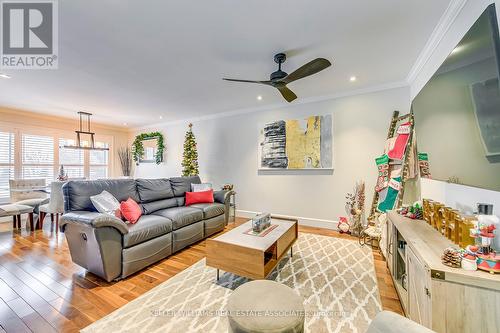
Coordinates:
(99, 162)
(7, 146)
(37, 157)
(71, 159)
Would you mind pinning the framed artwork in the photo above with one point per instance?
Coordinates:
(298, 144)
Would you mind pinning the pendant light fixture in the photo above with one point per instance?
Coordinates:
(79, 132)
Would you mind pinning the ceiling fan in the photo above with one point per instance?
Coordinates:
(280, 79)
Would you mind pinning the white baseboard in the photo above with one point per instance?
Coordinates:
(306, 221)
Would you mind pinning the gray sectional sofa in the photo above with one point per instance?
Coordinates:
(113, 249)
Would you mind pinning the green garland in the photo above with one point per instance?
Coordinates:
(138, 148)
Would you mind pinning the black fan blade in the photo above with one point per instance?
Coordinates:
(248, 81)
(312, 67)
(287, 93)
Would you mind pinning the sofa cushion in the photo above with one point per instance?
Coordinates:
(181, 185)
(77, 193)
(154, 189)
(153, 206)
(148, 227)
(181, 216)
(210, 209)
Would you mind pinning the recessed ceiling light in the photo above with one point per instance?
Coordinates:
(352, 78)
(161, 117)
(259, 98)
(5, 76)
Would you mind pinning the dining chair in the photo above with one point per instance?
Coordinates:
(28, 192)
(55, 205)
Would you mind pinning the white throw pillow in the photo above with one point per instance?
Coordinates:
(105, 203)
(201, 187)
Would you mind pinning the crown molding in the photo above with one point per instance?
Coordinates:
(362, 91)
(444, 24)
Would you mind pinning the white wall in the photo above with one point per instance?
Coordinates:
(461, 197)
(227, 148)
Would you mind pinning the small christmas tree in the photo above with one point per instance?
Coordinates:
(190, 155)
(62, 174)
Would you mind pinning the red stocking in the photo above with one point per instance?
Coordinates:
(397, 152)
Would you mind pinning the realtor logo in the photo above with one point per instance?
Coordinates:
(29, 35)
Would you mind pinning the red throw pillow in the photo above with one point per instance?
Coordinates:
(131, 210)
(199, 197)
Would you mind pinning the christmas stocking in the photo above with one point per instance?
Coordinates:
(383, 172)
(423, 164)
(387, 200)
(397, 152)
(389, 145)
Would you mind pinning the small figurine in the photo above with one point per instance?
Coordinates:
(489, 262)
(227, 187)
(344, 225)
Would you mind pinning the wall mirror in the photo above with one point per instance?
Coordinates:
(457, 113)
(148, 148)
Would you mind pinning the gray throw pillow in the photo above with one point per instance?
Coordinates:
(105, 203)
(201, 187)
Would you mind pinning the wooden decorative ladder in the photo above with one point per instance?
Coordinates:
(395, 121)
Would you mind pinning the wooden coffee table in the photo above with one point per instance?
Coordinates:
(252, 256)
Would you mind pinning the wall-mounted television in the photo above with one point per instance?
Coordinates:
(457, 113)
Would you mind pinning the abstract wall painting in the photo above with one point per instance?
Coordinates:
(297, 144)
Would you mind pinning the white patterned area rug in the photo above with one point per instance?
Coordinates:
(335, 277)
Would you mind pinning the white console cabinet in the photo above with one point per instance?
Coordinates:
(442, 298)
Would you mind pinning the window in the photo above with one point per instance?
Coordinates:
(37, 157)
(7, 146)
(99, 161)
(71, 159)
(26, 153)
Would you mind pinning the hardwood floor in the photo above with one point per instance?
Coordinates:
(42, 290)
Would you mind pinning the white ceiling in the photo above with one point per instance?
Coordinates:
(134, 61)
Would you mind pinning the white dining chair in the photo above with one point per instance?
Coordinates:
(28, 192)
(55, 205)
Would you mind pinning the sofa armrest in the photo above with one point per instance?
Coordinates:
(93, 219)
(390, 322)
(222, 196)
